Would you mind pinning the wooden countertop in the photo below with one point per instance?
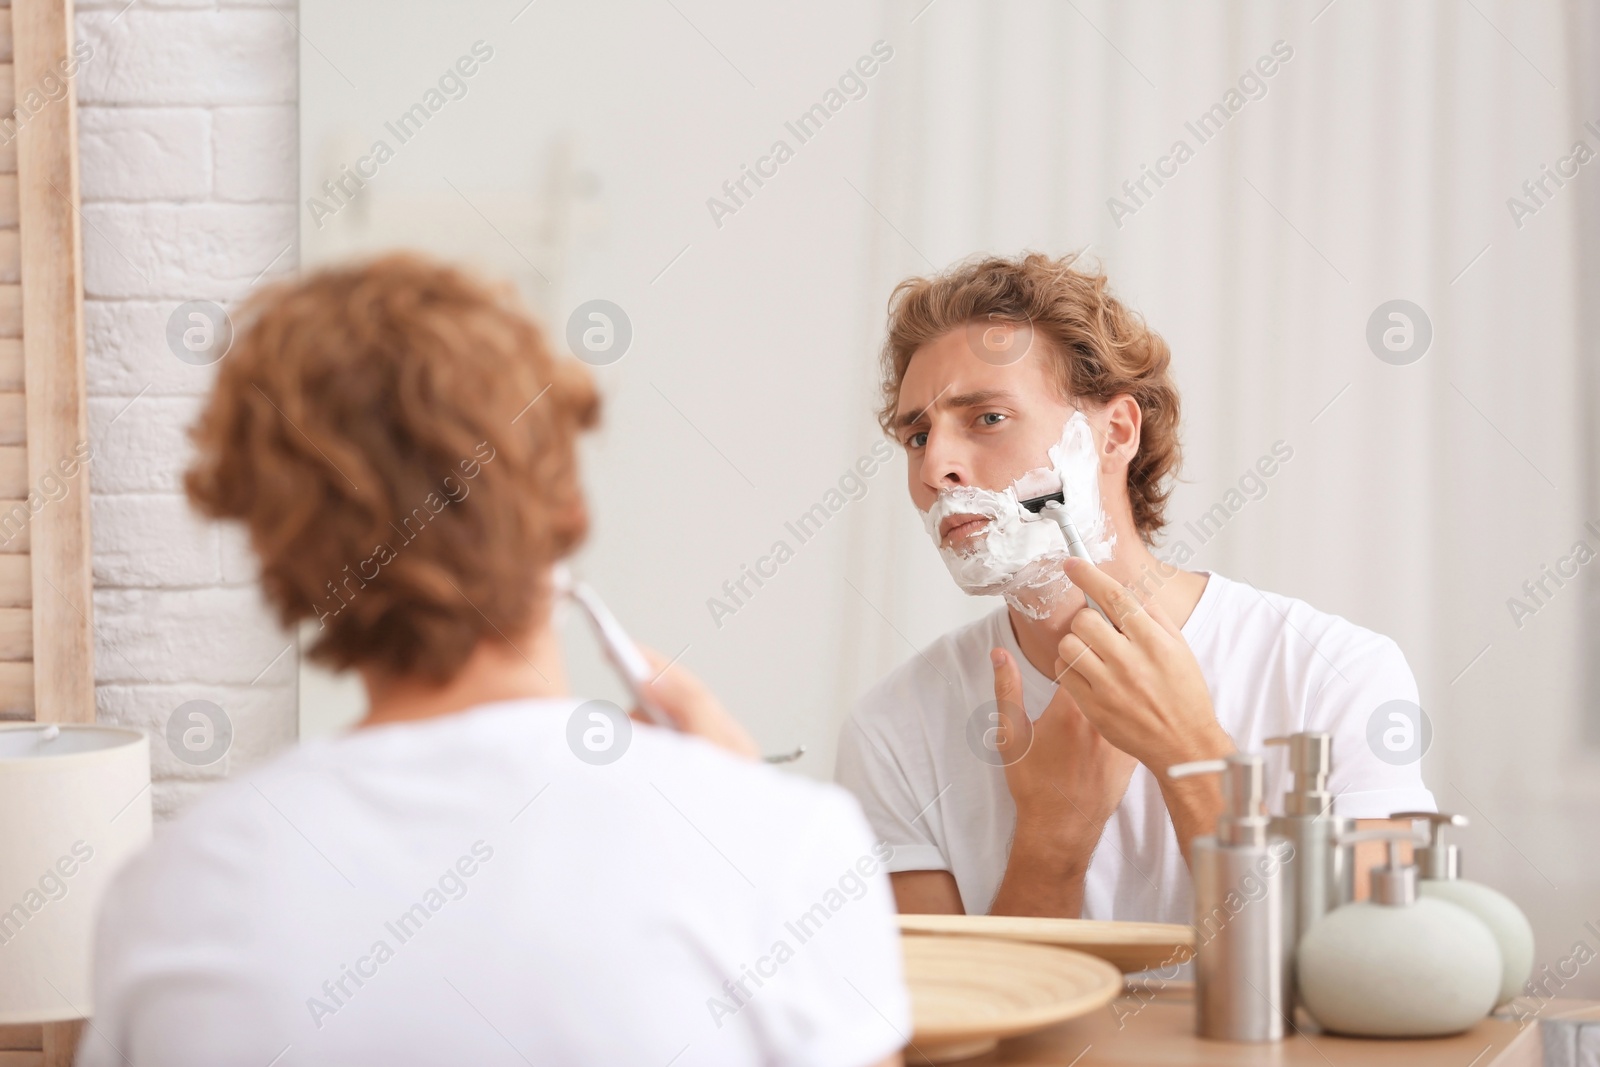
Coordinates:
(1154, 1024)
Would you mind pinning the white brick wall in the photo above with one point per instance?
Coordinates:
(187, 130)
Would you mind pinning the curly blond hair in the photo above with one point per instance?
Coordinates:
(1103, 349)
(399, 443)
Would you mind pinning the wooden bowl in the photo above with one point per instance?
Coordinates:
(969, 992)
(1129, 946)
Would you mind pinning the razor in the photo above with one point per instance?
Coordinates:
(1054, 505)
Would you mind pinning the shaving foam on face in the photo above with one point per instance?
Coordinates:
(1018, 554)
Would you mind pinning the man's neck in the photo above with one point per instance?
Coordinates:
(1175, 591)
(497, 670)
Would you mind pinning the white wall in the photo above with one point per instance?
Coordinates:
(187, 130)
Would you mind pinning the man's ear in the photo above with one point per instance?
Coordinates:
(1124, 421)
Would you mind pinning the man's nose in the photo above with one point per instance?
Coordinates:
(943, 465)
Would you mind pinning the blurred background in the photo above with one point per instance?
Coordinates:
(1263, 181)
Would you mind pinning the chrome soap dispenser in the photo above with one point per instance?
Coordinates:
(1320, 874)
(1439, 873)
(1242, 961)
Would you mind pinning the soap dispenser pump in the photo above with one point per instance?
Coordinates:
(1319, 876)
(1242, 962)
(1399, 964)
(1439, 871)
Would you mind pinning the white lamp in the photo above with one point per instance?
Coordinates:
(76, 804)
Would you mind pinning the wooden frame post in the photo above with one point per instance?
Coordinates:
(52, 350)
(46, 597)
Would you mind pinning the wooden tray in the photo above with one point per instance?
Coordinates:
(1130, 946)
(969, 992)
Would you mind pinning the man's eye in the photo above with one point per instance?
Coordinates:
(992, 418)
(917, 440)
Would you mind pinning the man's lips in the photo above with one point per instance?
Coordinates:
(958, 528)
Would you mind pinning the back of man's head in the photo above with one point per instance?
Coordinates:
(399, 442)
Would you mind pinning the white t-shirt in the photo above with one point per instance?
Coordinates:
(466, 890)
(1273, 665)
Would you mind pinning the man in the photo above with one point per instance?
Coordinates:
(1005, 380)
(489, 870)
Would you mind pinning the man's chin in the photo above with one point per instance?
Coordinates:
(1037, 590)
(964, 547)
(1041, 602)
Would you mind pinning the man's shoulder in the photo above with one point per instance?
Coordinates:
(1244, 613)
(766, 795)
(203, 865)
(946, 669)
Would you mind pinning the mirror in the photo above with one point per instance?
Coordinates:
(1262, 222)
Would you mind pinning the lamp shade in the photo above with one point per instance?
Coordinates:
(74, 804)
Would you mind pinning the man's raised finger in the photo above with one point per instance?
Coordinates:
(1077, 658)
(1015, 733)
(1118, 602)
(1007, 678)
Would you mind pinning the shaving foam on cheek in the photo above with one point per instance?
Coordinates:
(1018, 554)
(1076, 462)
